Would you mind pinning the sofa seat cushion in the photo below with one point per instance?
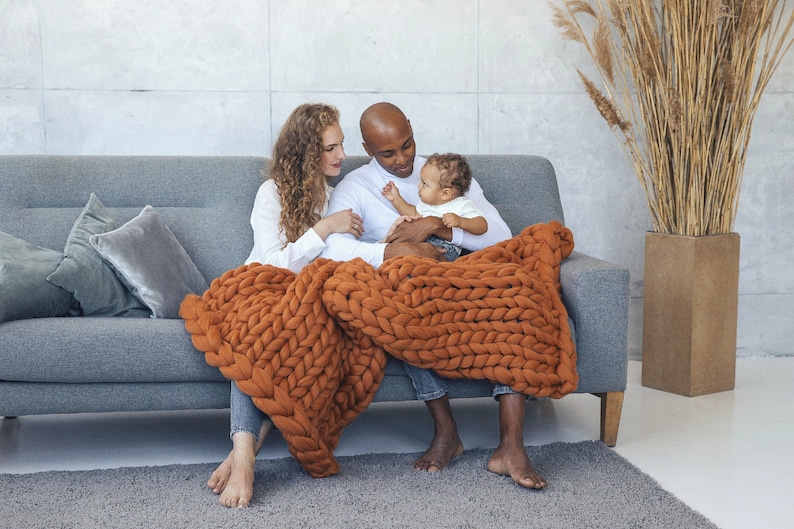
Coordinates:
(99, 349)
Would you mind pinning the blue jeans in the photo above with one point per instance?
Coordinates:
(245, 416)
(452, 251)
(431, 386)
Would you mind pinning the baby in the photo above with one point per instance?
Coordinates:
(444, 180)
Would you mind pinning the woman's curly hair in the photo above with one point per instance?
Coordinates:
(296, 167)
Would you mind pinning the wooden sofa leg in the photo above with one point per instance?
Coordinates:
(611, 407)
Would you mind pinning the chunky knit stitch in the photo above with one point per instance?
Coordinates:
(310, 347)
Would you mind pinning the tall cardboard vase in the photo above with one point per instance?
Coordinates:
(689, 313)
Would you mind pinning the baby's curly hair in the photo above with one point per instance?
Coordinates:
(455, 172)
(296, 167)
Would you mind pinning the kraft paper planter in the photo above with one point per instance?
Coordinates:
(689, 313)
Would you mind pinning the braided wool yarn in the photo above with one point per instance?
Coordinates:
(309, 348)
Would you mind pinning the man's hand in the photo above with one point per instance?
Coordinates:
(419, 229)
(422, 249)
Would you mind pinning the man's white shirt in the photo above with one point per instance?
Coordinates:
(361, 191)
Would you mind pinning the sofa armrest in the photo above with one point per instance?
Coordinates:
(596, 294)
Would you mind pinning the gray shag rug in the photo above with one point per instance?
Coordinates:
(589, 486)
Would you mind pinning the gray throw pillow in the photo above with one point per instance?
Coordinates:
(24, 291)
(149, 259)
(85, 274)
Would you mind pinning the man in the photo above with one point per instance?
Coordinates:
(388, 138)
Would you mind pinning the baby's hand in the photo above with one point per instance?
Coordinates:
(390, 191)
(451, 220)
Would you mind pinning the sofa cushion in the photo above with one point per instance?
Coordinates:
(24, 290)
(149, 259)
(100, 349)
(83, 272)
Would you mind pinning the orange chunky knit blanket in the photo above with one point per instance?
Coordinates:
(309, 348)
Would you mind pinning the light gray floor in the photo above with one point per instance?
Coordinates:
(727, 455)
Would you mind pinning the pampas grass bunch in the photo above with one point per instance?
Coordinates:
(680, 84)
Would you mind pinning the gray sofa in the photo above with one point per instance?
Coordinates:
(102, 364)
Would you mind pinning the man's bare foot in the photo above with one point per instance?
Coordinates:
(439, 453)
(446, 443)
(239, 488)
(220, 477)
(515, 463)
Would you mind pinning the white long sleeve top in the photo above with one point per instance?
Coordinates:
(269, 239)
(361, 191)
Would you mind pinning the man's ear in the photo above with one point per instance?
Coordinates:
(366, 149)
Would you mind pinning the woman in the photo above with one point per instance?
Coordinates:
(289, 232)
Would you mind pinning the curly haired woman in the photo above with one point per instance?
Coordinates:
(289, 232)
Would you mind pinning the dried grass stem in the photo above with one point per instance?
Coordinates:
(681, 84)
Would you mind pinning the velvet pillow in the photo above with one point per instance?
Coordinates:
(149, 259)
(24, 291)
(83, 272)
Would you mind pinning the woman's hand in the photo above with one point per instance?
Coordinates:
(344, 221)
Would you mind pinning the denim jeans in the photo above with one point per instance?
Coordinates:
(431, 386)
(245, 416)
(452, 251)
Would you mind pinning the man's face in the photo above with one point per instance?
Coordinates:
(393, 148)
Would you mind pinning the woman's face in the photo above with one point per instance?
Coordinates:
(333, 150)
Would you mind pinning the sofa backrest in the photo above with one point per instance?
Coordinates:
(522, 187)
(205, 201)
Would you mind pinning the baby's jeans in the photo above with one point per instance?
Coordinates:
(452, 251)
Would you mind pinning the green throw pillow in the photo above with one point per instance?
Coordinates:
(24, 291)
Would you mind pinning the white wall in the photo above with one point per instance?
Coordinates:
(474, 76)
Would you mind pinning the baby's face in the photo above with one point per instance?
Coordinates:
(429, 187)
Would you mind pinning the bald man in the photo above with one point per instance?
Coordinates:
(389, 139)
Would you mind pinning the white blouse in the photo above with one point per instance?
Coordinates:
(269, 239)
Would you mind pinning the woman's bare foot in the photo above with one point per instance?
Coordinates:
(234, 478)
(220, 477)
(439, 453)
(515, 463)
(240, 486)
